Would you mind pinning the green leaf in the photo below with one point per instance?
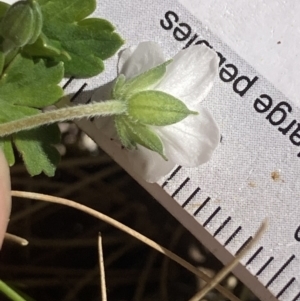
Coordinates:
(2, 61)
(133, 133)
(10, 53)
(144, 80)
(67, 11)
(43, 47)
(30, 83)
(25, 87)
(3, 8)
(157, 108)
(35, 147)
(87, 41)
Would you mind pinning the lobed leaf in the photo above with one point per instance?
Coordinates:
(2, 61)
(25, 87)
(43, 47)
(87, 41)
(35, 147)
(3, 8)
(30, 83)
(67, 11)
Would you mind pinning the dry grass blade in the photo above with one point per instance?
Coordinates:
(16, 239)
(114, 223)
(227, 269)
(101, 267)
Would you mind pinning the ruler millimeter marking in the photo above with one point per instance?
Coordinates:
(285, 287)
(223, 223)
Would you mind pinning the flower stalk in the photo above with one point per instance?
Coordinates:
(105, 108)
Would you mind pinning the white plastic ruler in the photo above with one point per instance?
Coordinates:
(255, 172)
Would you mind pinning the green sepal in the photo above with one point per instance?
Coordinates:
(124, 132)
(17, 24)
(157, 108)
(144, 80)
(118, 86)
(37, 21)
(133, 133)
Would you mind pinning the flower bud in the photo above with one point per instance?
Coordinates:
(38, 22)
(22, 23)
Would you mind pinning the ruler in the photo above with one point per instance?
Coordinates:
(254, 174)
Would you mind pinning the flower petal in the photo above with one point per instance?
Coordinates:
(107, 126)
(191, 141)
(191, 74)
(189, 78)
(10, 1)
(5, 197)
(148, 164)
(138, 59)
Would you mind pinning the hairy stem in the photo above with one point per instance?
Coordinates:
(106, 108)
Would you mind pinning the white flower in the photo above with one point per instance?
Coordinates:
(189, 78)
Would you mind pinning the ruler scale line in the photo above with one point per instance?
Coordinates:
(286, 287)
(212, 216)
(222, 226)
(243, 245)
(280, 270)
(297, 297)
(265, 266)
(78, 92)
(191, 197)
(202, 206)
(173, 174)
(254, 255)
(180, 187)
(68, 82)
(232, 236)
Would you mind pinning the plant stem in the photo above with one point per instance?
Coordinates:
(9, 292)
(105, 108)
